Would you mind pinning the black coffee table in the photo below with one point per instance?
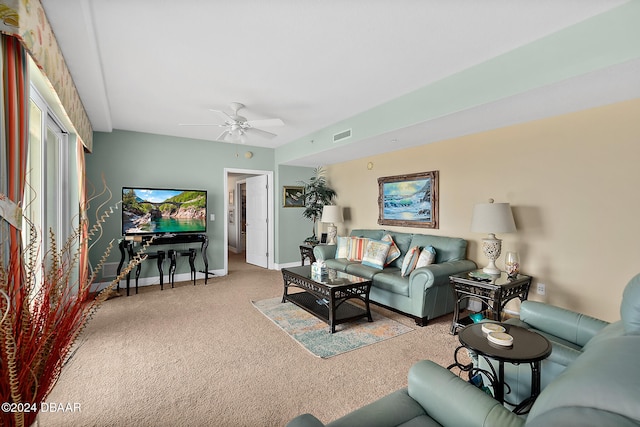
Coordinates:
(528, 347)
(326, 296)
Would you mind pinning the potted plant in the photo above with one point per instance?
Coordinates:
(317, 193)
(45, 303)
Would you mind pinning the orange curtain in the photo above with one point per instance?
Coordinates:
(14, 136)
(84, 224)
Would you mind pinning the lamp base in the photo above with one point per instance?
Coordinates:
(332, 232)
(491, 247)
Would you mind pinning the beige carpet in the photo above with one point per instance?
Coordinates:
(204, 356)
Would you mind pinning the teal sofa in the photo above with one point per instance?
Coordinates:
(600, 387)
(425, 294)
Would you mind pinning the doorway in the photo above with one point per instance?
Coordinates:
(253, 231)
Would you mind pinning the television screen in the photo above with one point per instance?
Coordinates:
(161, 211)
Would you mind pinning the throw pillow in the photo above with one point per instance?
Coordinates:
(375, 254)
(410, 260)
(342, 251)
(356, 248)
(427, 257)
(394, 252)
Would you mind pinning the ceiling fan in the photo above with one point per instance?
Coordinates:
(237, 128)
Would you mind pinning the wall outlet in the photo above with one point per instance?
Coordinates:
(541, 290)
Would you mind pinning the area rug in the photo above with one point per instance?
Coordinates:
(313, 334)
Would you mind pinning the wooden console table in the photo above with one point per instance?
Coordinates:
(127, 248)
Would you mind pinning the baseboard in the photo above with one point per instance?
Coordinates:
(155, 280)
(286, 265)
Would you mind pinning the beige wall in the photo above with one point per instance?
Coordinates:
(572, 181)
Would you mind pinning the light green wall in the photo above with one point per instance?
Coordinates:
(139, 159)
(292, 229)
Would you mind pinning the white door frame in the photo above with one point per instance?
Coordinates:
(270, 213)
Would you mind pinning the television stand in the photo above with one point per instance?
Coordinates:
(127, 244)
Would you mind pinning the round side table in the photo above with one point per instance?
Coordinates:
(528, 347)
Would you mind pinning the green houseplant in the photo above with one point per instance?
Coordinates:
(317, 193)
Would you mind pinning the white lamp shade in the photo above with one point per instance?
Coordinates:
(492, 218)
(331, 214)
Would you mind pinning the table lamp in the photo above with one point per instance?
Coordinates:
(492, 218)
(331, 214)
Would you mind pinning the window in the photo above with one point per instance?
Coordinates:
(46, 197)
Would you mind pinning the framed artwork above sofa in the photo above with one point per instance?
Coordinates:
(409, 200)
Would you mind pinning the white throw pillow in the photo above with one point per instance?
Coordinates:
(427, 257)
(342, 251)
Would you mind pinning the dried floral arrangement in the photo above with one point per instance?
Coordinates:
(44, 306)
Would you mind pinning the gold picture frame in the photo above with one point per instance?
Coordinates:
(409, 200)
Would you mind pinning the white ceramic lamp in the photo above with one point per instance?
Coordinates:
(331, 214)
(492, 218)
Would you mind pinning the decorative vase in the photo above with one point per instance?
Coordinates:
(512, 264)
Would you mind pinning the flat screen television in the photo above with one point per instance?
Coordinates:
(163, 211)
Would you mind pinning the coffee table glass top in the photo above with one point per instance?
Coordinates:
(332, 278)
(527, 346)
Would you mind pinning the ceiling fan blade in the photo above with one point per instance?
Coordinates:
(223, 114)
(223, 136)
(262, 133)
(264, 123)
(201, 124)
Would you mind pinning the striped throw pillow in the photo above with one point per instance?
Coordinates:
(356, 248)
(410, 261)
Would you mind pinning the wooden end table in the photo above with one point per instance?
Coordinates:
(493, 291)
(528, 347)
(326, 297)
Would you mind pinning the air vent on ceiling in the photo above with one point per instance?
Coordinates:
(342, 135)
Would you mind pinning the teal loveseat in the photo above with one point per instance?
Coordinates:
(423, 295)
(600, 387)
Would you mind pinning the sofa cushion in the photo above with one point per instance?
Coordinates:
(369, 234)
(447, 248)
(390, 279)
(339, 264)
(375, 254)
(394, 252)
(362, 270)
(410, 261)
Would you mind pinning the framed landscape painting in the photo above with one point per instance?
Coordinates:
(293, 197)
(409, 200)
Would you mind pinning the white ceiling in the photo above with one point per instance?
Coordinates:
(147, 66)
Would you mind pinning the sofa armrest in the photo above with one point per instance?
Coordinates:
(305, 420)
(437, 274)
(451, 401)
(569, 325)
(324, 251)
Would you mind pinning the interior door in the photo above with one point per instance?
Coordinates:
(257, 221)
